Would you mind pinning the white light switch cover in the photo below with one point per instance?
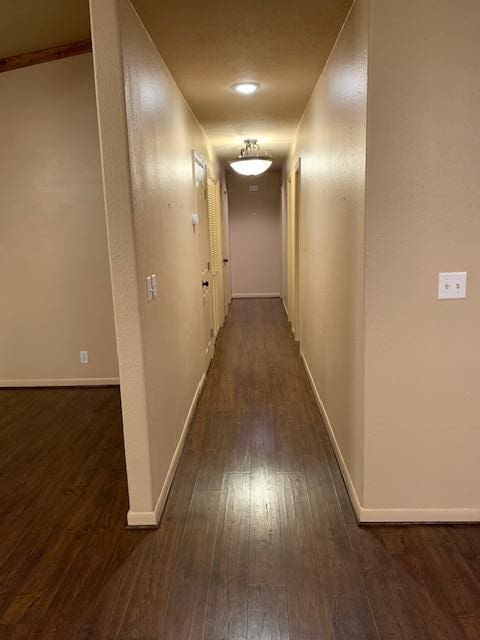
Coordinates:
(149, 289)
(152, 287)
(452, 286)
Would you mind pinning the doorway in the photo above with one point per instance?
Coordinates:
(297, 219)
(216, 253)
(294, 280)
(203, 249)
(227, 277)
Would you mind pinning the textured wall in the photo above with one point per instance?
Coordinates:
(423, 201)
(331, 144)
(162, 133)
(54, 274)
(148, 133)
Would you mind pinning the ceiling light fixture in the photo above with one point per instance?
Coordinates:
(252, 161)
(246, 88)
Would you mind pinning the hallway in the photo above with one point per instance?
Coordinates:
(258, 540)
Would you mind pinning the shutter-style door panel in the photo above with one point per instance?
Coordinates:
(212, 225)
(216, 251)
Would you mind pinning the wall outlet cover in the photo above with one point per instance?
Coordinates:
(84, 357)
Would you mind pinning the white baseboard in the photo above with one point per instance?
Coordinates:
(285, 306)
(60, 382)
(141, 519)
(338, 454)
(419, 516)
(255, 295)
(366, 515)
(152, 518)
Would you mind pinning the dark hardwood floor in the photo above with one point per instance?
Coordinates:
(258, 540)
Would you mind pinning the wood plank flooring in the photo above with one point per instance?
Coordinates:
(258, 540)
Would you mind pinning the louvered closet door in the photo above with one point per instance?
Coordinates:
(216, 252)
(202, 235)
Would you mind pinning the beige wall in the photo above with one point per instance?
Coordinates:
(397, 370)
(149, 201)
(255, 234)
(331, 144)
(422, 395)
(162, 133)
(54, 274)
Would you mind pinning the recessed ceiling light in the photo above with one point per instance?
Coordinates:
(246, 88)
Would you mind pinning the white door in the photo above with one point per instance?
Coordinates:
(200, 178)
(297, 232)
(216, 253)
(227, 277)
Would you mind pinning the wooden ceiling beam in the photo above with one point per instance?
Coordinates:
(45, 55)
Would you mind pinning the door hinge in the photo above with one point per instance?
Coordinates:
(208, 266)
(211, 333)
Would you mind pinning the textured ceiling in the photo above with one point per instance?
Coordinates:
(30, 25)
(209, 45)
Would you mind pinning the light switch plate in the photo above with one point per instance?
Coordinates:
(452, 286)
(154, 286)
(149, 289)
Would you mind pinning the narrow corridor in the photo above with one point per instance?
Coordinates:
(257, 542)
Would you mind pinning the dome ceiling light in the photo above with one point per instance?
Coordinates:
(252, 161)
(246, 88)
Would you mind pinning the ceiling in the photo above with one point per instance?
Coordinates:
(208, 46)
(31, 25)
